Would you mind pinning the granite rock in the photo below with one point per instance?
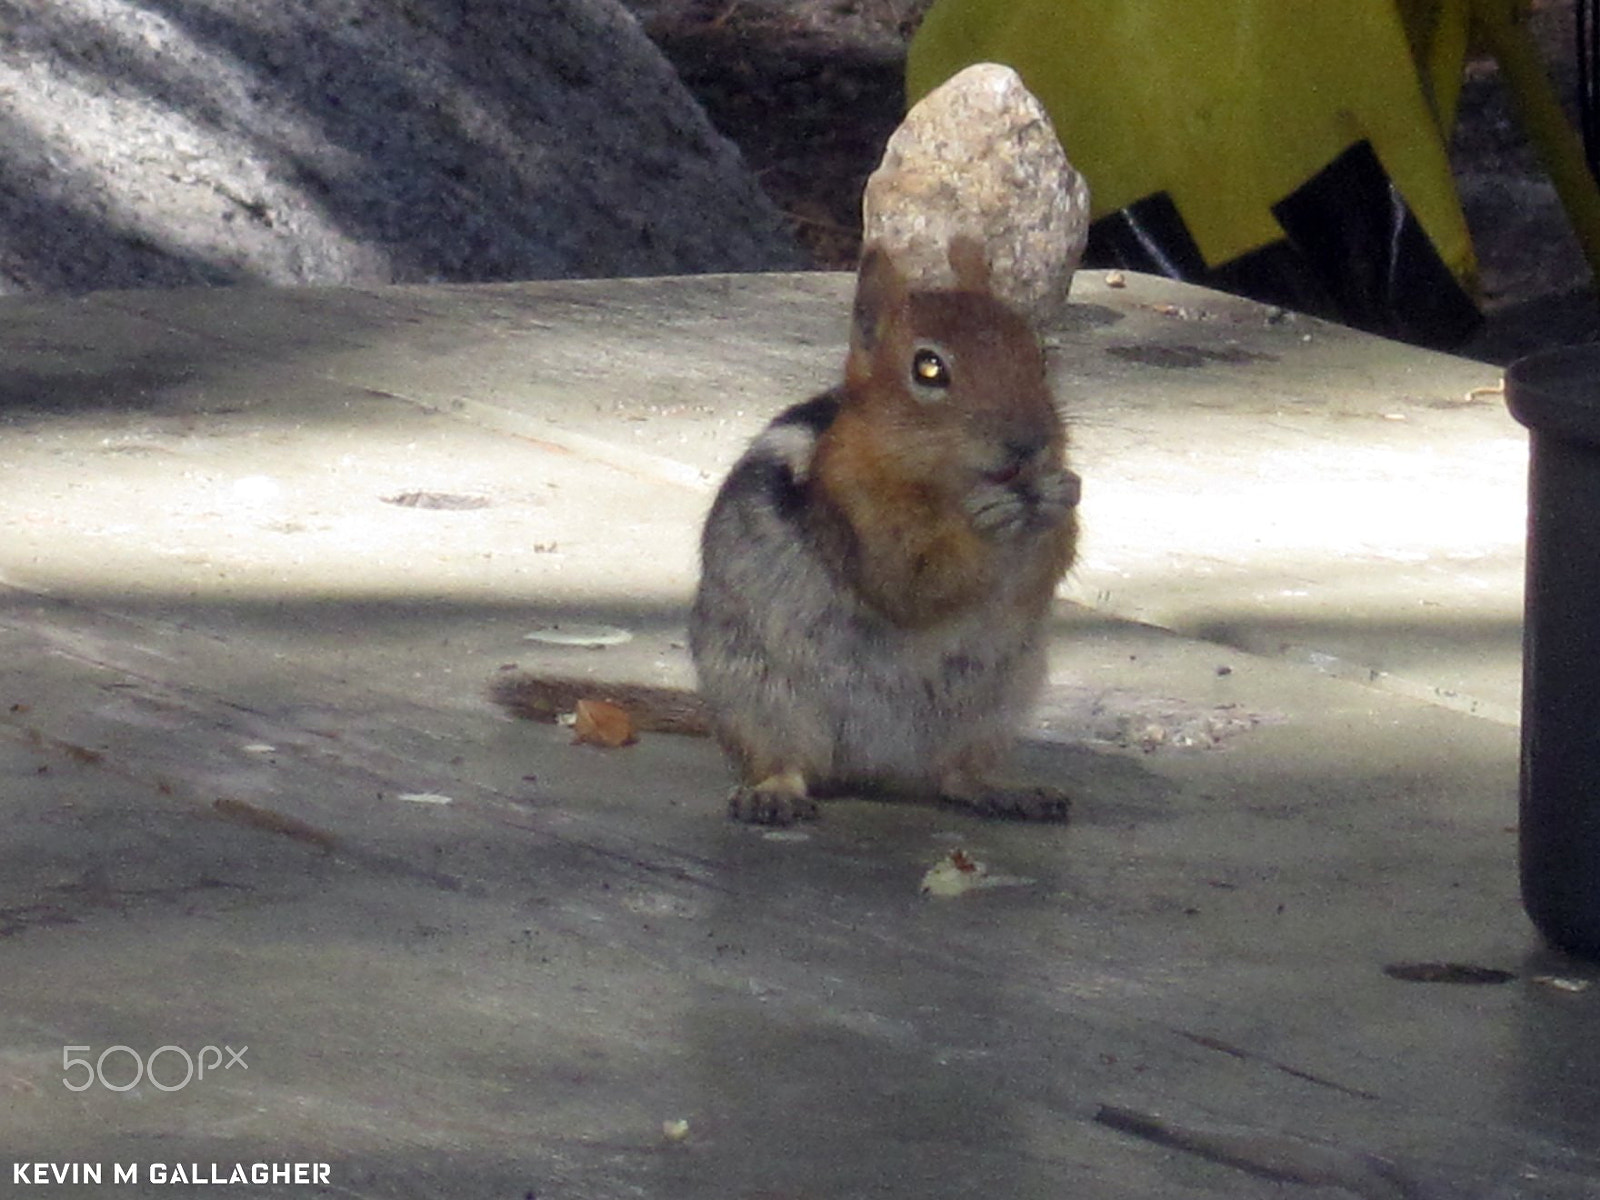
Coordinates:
(979, 156)
(166, 142)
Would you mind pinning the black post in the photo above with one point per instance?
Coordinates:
(1556, 394)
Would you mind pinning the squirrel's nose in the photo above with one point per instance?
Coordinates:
(1026, 447)
(1018, 452)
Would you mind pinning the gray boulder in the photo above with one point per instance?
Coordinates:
(978, 156)
(170, 142)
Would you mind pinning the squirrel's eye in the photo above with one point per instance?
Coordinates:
(929, 370)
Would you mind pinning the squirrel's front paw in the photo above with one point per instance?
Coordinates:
(776, 800)
(1013, 803)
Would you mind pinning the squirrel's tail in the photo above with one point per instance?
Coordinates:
(652, 709)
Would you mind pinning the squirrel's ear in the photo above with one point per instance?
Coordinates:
(880, 294)
(970, 264)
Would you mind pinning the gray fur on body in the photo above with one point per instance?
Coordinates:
(800, 673)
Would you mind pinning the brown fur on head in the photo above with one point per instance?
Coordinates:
(945, 411)
(958, 374)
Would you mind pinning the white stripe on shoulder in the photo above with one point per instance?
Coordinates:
(789, 443)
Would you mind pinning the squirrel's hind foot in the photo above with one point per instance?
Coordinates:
(777, 800)
(1012, 803)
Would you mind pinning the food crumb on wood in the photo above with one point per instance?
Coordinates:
(956, 874)
(600, 723)
(1560, 983)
